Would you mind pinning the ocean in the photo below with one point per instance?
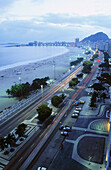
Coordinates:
(16, 56)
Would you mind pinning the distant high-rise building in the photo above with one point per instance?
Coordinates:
(76, 42)
(109, 47)
(106, 46)
(35, 42)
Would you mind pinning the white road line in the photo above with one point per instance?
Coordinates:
(20, 159)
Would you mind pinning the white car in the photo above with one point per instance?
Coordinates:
(67, 128)
(64, 133)
(78, 108)
(76, 111)
(42, 168)
(74, 115)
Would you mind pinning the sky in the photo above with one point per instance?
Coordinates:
(53, 20)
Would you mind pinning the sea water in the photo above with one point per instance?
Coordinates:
(15, 56)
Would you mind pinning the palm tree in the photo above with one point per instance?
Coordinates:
(10, 140)
(21, 129)
(103, 95)
(8, 91)
(98, 87)
(2, 143)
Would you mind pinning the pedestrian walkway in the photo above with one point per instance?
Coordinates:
(76, 157)
(99, 129)
(91, 112)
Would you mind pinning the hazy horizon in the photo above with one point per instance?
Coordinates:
(49, 20)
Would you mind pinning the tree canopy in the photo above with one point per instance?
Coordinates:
(76, 61)
(24, 89)
(80, 75)
(21, 129)
(56, 100)
(87, 66)
(74, 82)
(105, 78)
(94, 56)
(98, 87)
(43, 112)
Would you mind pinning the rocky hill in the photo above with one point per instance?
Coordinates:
(96, 37)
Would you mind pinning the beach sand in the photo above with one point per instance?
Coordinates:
(31, 71)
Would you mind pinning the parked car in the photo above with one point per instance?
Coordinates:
(42, 168)
(74, 115)
(81, 102)
(61, 127)
(64, 133)
(76, 111)
(76, 103)
(108, 113)
(67, 128)
(78, 108)
(108, 96)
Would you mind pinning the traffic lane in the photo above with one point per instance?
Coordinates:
(64, 161)
(66, 120)
(53, 146)
(43, 142)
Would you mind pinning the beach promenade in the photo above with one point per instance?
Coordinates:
(54, 67)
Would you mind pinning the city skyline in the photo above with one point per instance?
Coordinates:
(47, 20)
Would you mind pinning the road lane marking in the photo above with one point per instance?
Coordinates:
(32, 145)
(20, 159)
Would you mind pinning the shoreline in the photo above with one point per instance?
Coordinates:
(11, 66)
(29, 72)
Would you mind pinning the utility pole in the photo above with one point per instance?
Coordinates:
(54, 68)
(42, 90)
(21, 85)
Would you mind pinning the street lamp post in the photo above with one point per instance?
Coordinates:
(20, 84)
(42, 90)
(69, 73)
(70, 62)
(20, 79)
(54, 67)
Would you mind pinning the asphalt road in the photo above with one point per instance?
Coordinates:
(59, 86)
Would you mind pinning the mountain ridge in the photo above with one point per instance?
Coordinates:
(96, 37)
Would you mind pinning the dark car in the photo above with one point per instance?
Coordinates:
(108, 114)
(61, 127)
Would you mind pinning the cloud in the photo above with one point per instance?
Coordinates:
(5, 3)
(52, 26)
(20, 31)
(94, 20)
(14, 31)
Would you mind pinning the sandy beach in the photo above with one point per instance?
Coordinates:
(31, 71)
